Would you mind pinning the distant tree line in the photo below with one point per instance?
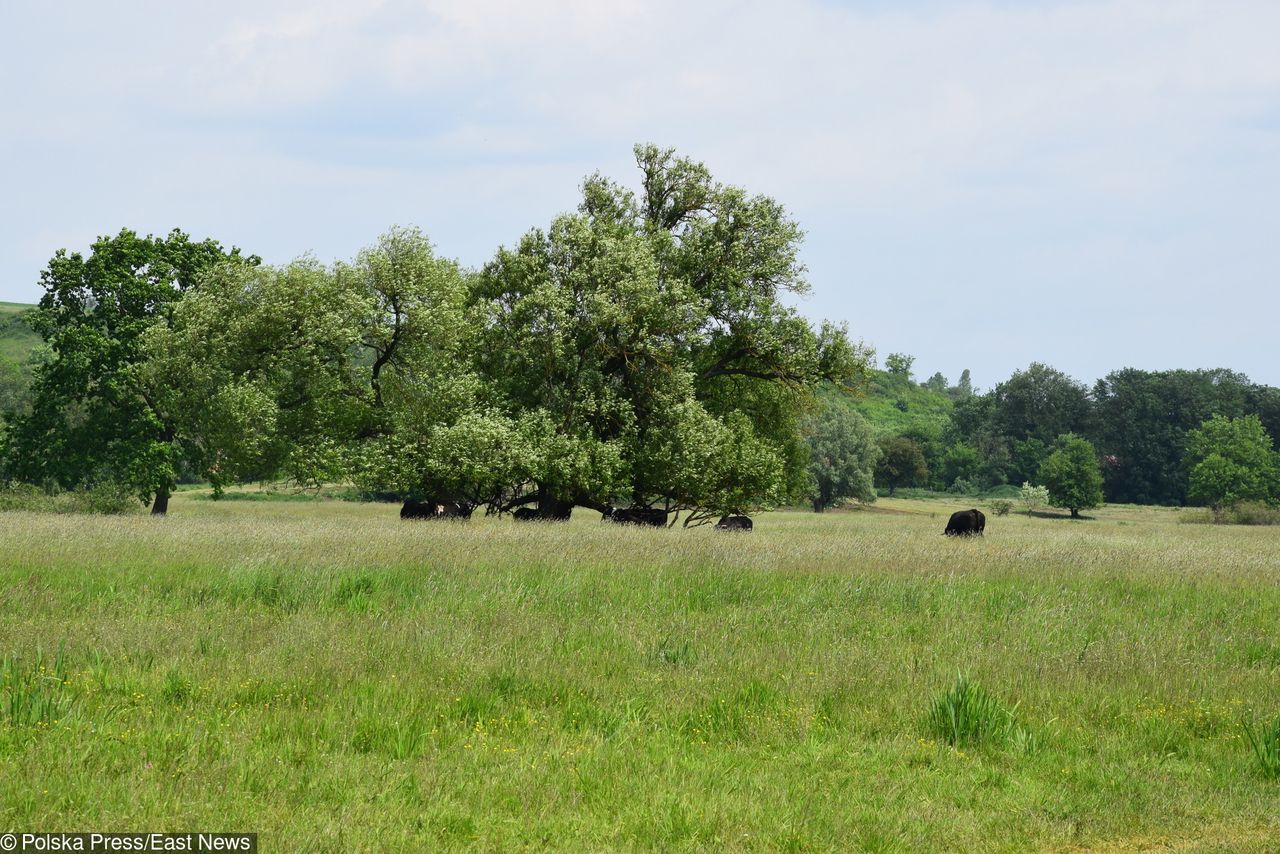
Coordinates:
(1156, 437)
(638, 350)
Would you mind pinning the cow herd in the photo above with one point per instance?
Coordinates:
(963, 523)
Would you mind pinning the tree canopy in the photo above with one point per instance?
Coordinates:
(1072, 476)
(639, 351)
(93, 416)
(1231, 460)
(647, 334)
(842, 456)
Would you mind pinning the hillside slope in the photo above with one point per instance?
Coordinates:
(18, 346)
(896, 406)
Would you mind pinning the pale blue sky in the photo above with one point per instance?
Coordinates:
(1088, 184)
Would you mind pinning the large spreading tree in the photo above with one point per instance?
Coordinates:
(648, 335)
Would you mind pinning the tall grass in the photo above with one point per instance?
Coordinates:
(968, 715)
(1265, 741)
(320, 670)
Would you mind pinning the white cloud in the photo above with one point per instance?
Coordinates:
(1046, 141)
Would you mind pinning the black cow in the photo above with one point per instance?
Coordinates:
(636, 516)
(734, 523)
(431, 508)
(966, 523)
(549, 510)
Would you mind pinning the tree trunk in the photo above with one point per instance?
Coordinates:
(817, 505)
(1075, 514)
(161, 505)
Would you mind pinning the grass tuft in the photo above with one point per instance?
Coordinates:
(35, 694)
(1265, 741)
(968, 715)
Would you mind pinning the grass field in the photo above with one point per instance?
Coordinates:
(334, 679)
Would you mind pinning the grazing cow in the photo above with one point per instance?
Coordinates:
(432, 508)
(525, 514)
(636, 516)
(966, 523)
(734, 523)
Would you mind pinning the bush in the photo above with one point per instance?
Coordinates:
(106, 498)
(1253, 513)
(1244, 513)
(1001, 506)
(24, 496)
(960, 486)
(1033, 496)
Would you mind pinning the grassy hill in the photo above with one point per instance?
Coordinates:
(18, 342)
(17, 339)
(895, 405)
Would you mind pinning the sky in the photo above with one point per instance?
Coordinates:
(1092, 185)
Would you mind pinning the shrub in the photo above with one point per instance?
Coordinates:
(107, 498)
(1033, 496)
(1265, 741)
(1244, 513)
(1001, 506)
(24, 496)
(1253, 513)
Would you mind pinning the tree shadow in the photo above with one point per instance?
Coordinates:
(1045, 514)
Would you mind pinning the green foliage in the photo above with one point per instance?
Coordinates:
(968, 715)
(91, 419)
(106, 498)
(1025, 458)
(648, 330)
(1142, 419)
(1001, 506)
(20, 352)
(1072, 476)
(959, 462)
(901, 463)
(1011, 426)
(1230, 461)
(252, 371)
(926, 410)
(899, 364)
(842, 456)
(1039, 403)
(437, 426)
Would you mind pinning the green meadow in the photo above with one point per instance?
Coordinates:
(334, 679)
